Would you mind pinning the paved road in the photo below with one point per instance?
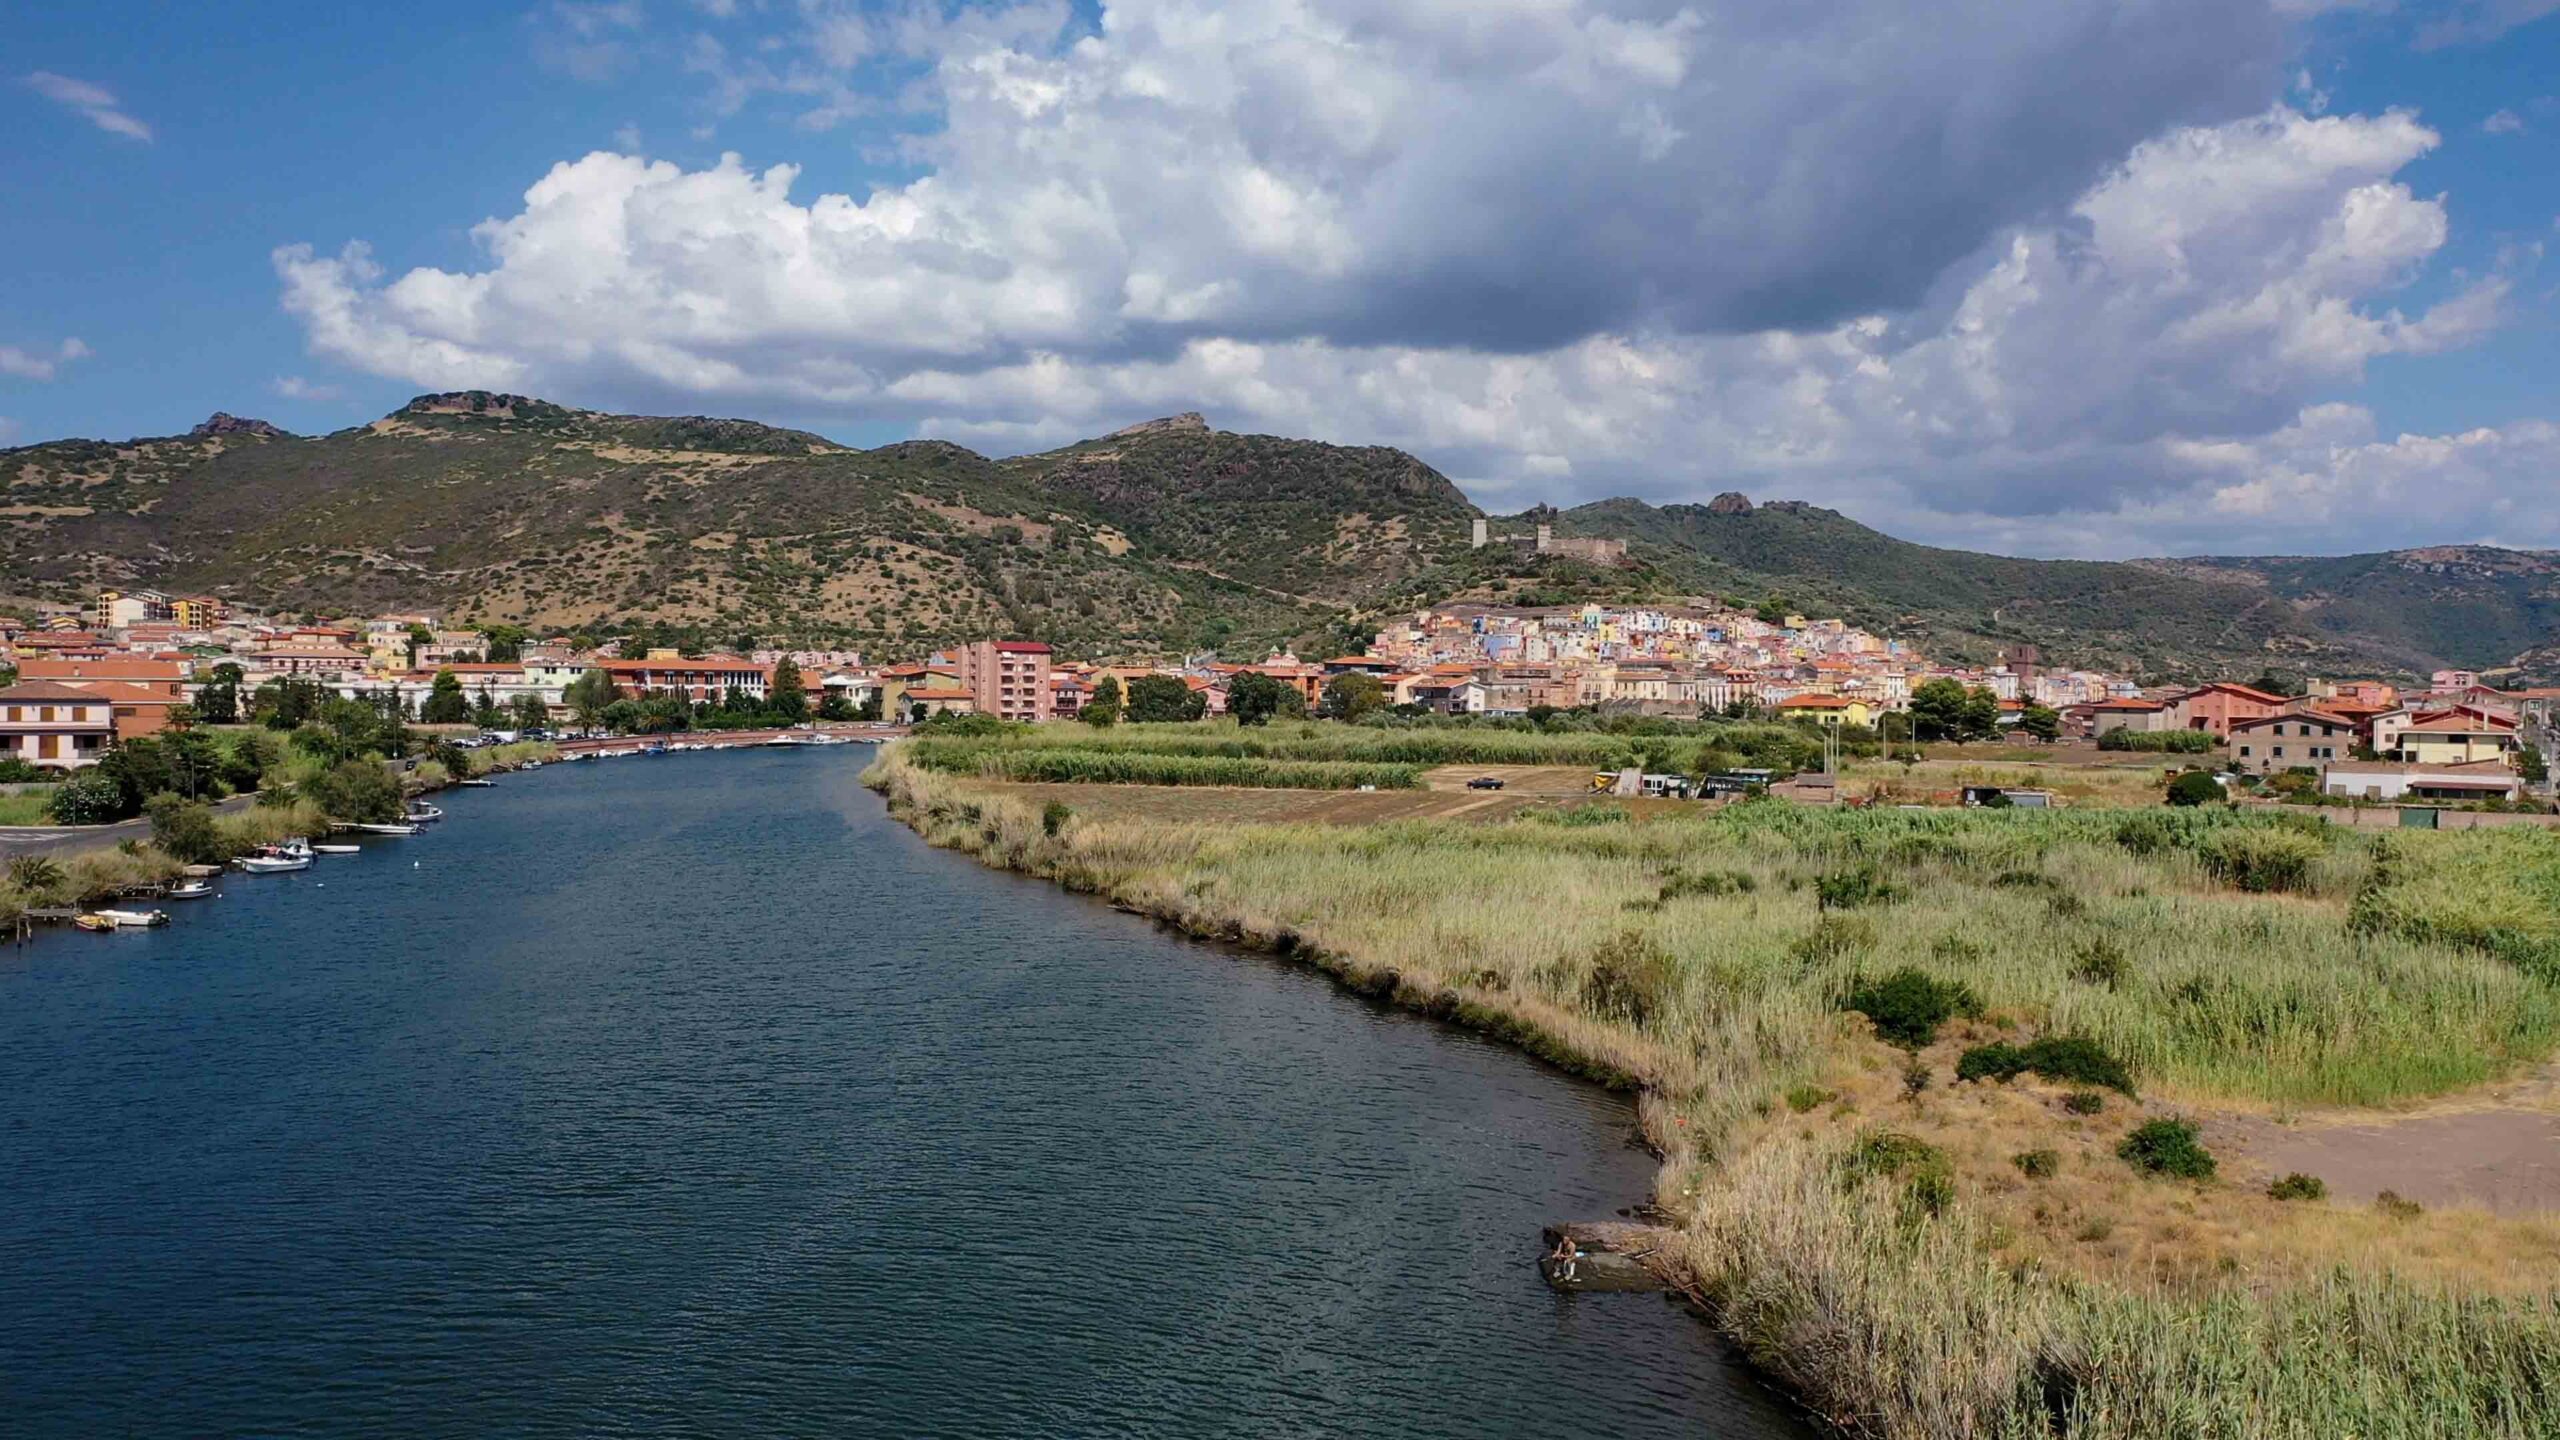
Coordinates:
(65, 839)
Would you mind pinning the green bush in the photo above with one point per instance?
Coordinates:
(1803, 1098)
(1054, 816)
(2158, 742)
(2084, 1102)
(2194, 787)
(2149, 834)
(1632, 979)
(2262, 861)
(1928, 1180)
(2167, 1147)
(1859, 885)
(183, 829)
(2037, 1164)
(2398, 1206)
(88, 798)
(2102, 962)
(356, 791)
(2298, 1186)
(1909, 1005)
(16, 771)
(2069, 1058)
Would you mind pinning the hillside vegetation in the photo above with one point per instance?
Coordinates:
(1165, 537)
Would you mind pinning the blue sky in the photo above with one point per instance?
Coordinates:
(2125, 278)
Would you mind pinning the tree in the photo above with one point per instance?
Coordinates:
(140, 770)
(1255, 698)
(1937, 710)
(590, 695)
(287, 702)
(362, 792)
(787, 697)
(1772, 611)
(835, 706)
(2043, 722)
(1103, 710)
(2535, 768)
(529, 712)
(183, 829)
(218, 699)
(2194, 787)
(419, 638)
(1158, 698)
(506, 644)
(485, 712)
(455, 760)
(195, 763)
(445, 703)
(1981, 715)
(1350, 695)
(252, 754)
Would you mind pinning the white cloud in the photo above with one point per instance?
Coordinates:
(2476, 22)
(1994, 280)
(587, 39)
(2503, 122)
(95, 103)
(40, 365)
(294, 387)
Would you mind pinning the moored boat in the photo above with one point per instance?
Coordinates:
(134, 919)
(422, 813)
(402, 829)
(337, 849)
(476, 784)
(190, 890)
(96, 924)
(274, 864)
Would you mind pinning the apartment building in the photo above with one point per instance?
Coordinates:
(1008, 679)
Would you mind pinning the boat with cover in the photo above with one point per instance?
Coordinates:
(190, 890)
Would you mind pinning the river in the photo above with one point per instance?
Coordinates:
(692, 1095)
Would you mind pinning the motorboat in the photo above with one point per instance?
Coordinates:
(95, 924)
(401, 829)
(476, 784)
(275, 864)
(190, 890)
(135, 919)
(337, 849)
(423, 814)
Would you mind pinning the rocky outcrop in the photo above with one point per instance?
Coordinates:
(223, 423)
(1731, 502)
(1188, 420)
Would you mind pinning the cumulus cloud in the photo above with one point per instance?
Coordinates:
(1989, 278)
(2503, 122)
(94, 103)
(39, 364)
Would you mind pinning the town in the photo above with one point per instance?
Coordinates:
(135, 661)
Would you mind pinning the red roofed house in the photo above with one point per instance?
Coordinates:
(1008, 679)
(708, 677)
(2217, 707)
(57, 726)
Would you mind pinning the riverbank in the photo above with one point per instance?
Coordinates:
(1915, 1252)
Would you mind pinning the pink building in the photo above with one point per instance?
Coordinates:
(1008, 679)
(2217, 707)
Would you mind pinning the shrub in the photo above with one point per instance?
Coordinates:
(2037, 1164)
(1909, 1005)
(1808, 1097)
(88, 798)
(2167, 1147)
(40, 878)
(2298, 1186)
(183, 829)
(1928, 1181)
(2194, 787)
(2148, 834)
(2070, 1058)
(2101, 962)
(2398, 1206)
(1832, 937)
(1054, 816)
(1851, 888)
(17, 771)
(360, 791)
(2084, 1102)
(1631, 978)
(2262, 861)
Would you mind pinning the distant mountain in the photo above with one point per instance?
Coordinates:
(2399, 614)
(1163, 537)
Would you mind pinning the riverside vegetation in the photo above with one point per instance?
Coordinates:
(1925, 1082)
(300, 790)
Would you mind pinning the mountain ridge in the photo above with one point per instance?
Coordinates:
(1164, 535)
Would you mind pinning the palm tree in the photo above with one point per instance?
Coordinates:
(37, 877)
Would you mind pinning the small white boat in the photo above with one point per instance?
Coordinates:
(337, 849)
(274, 864)
(134, 919)
(476, 784)
(386, 829)
(423, 815)
(190, 890)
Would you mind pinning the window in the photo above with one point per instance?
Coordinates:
(2244, 752)
(2277, 752)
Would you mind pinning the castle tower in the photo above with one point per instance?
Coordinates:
(1477, 541)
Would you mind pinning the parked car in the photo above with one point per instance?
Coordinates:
(1485, 782)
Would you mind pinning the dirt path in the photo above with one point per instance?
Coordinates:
(2499, 1150)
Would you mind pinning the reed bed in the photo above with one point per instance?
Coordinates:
(1135, 767)
(2225, 958)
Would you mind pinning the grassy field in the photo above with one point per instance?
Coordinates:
(1871, 1226)
(26, 808)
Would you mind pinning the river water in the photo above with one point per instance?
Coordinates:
(693, 1096)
